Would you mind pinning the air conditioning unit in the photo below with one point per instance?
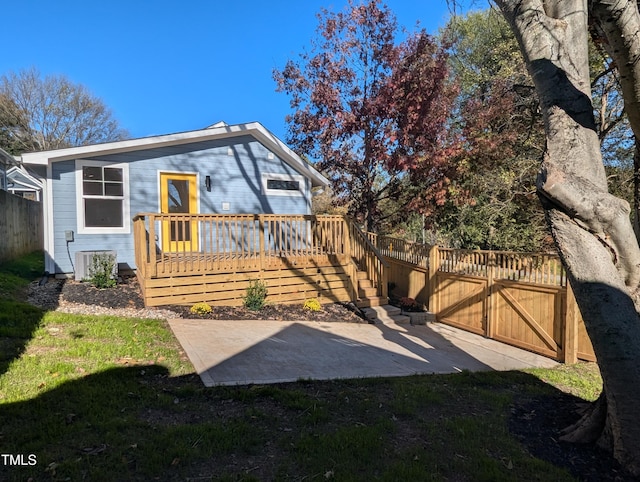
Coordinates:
(83, 263)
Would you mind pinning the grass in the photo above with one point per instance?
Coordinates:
(107, 398)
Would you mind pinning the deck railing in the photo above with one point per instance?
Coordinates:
(369, 259)
(410, 252)
(183, 244)
(541, 268)
(168, 245)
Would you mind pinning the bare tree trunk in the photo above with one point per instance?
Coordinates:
(591, 228)
(618, 28)
(636, 188)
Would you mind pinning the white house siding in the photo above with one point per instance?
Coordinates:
(235, 166)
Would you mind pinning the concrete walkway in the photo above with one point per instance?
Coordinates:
(260, 352)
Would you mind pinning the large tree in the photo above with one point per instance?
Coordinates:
(40, 113)
(372, 112)
(591, 227)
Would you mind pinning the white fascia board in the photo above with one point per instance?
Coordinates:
(220, 131)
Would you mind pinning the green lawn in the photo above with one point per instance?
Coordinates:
(106, 398)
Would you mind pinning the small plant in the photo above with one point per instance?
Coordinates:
(312, 304)
(101, 270)
(256, 295)
(200, 309)
(408, 304)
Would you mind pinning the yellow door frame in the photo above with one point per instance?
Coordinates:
(176, 236)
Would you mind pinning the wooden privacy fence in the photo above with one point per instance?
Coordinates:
(522, 299)
(21, 226)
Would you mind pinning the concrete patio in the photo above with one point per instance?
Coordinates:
(264, 351)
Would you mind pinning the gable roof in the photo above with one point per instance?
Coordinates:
(19, 175)
(217, 131)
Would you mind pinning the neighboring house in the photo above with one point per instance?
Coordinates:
(91, 193)
(21, 183)
(6, 162)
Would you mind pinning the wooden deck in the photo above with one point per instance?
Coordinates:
(213, 258)
(518, 298)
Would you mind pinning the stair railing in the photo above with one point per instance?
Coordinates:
(367, 258)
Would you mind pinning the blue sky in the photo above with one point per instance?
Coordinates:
(165, 67)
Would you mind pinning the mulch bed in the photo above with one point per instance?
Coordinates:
(330, 313)
(537, 423)
(126, 294)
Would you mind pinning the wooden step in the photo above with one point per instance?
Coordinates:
(367, 292)
(365, 283)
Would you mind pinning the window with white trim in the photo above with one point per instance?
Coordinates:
(102, 197)
(283, 184)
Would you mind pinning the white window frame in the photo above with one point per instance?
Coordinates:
(80, 197)
(283, 192)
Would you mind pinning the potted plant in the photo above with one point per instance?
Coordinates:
(414, 311)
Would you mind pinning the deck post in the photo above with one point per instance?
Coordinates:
(261, 243)
(351, 268)
(347, 239)
(151, 244)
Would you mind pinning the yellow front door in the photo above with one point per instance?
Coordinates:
(179, 195)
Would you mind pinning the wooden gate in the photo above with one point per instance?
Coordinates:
(524, 315)
(516, 298)
(462, 302)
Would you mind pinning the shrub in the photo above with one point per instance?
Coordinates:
(101, 270)
(312, 304)
(200, 309)
(256, 295)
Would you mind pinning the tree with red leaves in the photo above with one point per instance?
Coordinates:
(372, 112)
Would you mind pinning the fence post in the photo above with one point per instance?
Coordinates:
(570, 329)
(434, 266)
(489, 330)
(384, 288)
